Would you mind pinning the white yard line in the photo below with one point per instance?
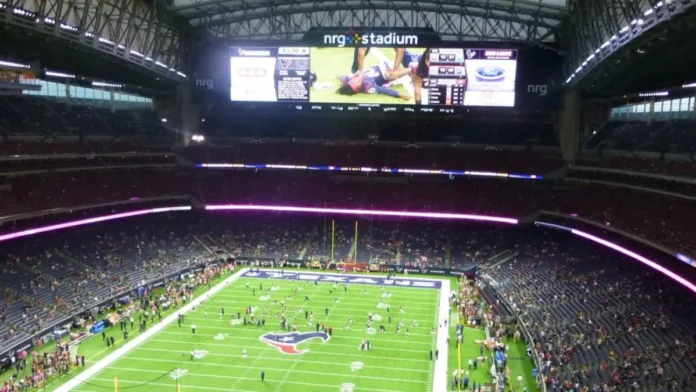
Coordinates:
(208, 376)
(273, 348)
(244, 366)
(358, 356)
(376, 338)
(440, 375)
(411, 304)
(241, 377)
(258, 357)
(440, 372)
(138, 340)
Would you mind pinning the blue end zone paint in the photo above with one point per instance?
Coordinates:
(338, 278)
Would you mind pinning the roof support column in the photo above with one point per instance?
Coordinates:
(189, 112)
(569, 131)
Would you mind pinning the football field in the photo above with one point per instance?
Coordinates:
(309, 359)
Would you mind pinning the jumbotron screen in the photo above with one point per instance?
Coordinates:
(453, 77)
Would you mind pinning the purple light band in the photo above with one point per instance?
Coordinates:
(39, 230)
(429, 215)
(637, 257)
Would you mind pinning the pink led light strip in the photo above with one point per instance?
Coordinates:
(430, 215)
(637, 257)
(81, 222)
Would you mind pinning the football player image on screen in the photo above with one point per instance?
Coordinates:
(419, 74)
(388, 68)
(406, 62)
(403, 57)
(373, 80)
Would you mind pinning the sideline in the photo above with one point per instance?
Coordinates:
(441, 376)
(123, 350)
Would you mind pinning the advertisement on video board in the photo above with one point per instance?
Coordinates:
(446, 77)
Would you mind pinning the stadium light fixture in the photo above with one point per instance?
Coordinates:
(106, 84)
(59, 75)
(361, 212)
(12, 64)
(23, 12)
(198, 138)
(81, 222)
(654, 94)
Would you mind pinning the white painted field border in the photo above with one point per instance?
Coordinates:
(440, 380)
(440, 376)
(135, 342)
(245, 366)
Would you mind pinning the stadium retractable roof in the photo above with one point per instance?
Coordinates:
(527, 21)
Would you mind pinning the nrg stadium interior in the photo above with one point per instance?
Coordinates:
(476, 195)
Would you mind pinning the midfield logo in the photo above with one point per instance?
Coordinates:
(287, 343)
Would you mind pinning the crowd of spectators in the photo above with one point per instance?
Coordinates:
(653, 216)
(50, 147)
(35, 369)
(29, 116)
(75, 188)
(659, 137)
(45, 279)
(402, 156)
(598, 326)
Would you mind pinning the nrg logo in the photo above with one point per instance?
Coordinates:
(388, 39)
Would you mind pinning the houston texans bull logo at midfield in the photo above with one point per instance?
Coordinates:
(287, 343)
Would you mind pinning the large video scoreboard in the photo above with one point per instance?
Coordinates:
(400, 70)
(443, 77)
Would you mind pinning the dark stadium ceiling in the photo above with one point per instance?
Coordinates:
(526, 21)
(130, 41)
(618, 47)
(662, 58)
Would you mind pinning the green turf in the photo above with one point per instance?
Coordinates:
(469, 350)
(396, 362)
(93, 349)
(330, 63)
(520, 365)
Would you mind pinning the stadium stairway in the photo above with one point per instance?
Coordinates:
(217, 244)
(205, 242)
(499, 259)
